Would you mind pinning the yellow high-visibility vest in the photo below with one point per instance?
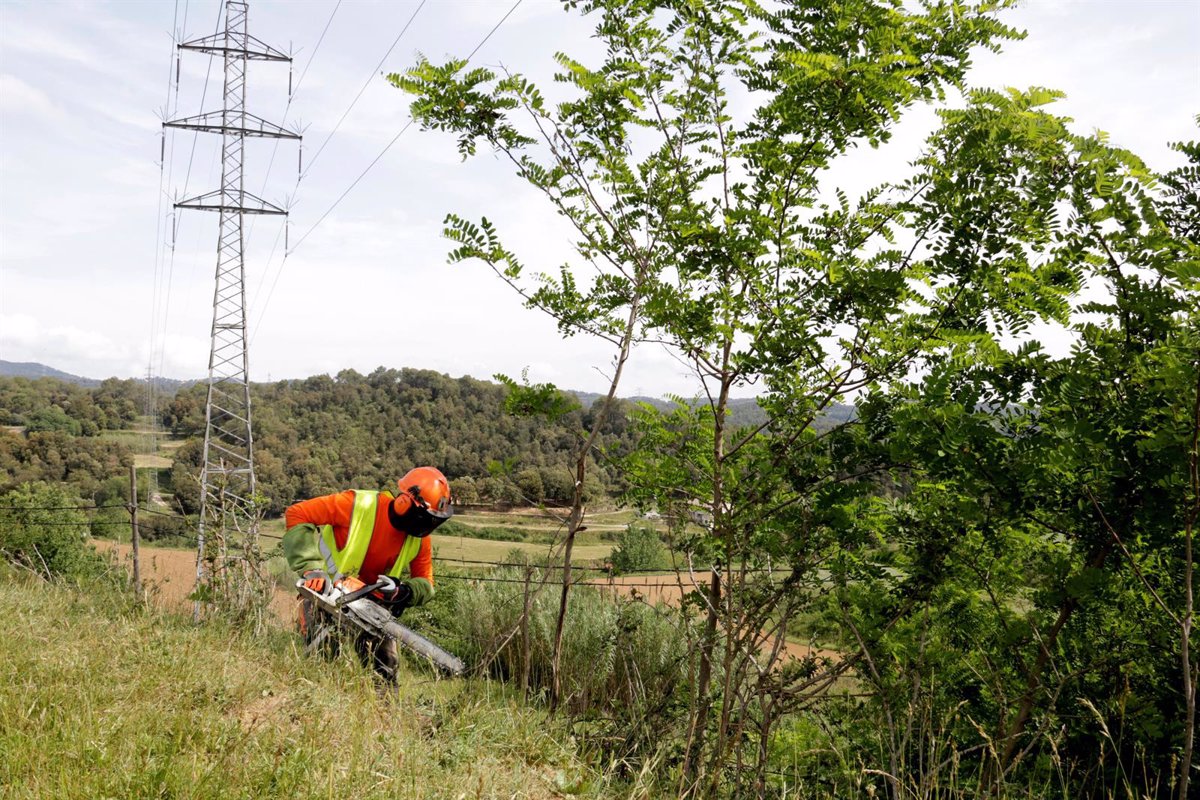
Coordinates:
(348, 560)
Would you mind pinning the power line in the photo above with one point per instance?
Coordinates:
(275, 150)
(159, 249)
(495, 28)
(166, 313)
(348, 190)
(407, 125)
(279, 271)
(363, 89)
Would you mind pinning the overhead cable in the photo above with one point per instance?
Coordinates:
(363, 174)
(370, 78)
(275, 150)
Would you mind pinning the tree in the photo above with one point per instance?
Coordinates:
(700, 231)
(638, 548)
(42, 530)
(52, 418)
(1046, 547)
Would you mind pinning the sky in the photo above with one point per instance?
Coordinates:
(90, 284)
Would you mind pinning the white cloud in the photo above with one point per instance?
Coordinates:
(24, 338)
(18, 98)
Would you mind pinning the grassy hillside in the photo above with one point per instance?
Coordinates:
(102, 699)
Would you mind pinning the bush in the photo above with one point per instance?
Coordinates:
(638, 549)
(621, 660)
(42, 530)
(166, 530)
(52, 418)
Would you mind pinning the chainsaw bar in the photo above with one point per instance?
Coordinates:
(373, 619)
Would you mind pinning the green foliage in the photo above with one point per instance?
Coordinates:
(325, 434)
(52, 419)
(49, 404)
(41, 531)
(84, 463)
(540, 399)
(638, 549)
(622, 662)
(982, 533)
(1041, 547)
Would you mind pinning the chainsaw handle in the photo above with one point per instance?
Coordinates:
(384, 583)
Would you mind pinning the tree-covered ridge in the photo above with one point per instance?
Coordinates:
(87, 465)
(323, 434)
(54, 404)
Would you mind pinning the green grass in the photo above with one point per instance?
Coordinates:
(103, 699)
(465, 548)
(136, 440)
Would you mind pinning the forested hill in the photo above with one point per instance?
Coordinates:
(324, 433)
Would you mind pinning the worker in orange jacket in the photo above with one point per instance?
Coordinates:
(356, 536)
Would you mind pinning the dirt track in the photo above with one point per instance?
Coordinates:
(170, 576)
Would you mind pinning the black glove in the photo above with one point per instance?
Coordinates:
(396, 599)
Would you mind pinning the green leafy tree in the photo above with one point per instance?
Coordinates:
(52, 418)
(638, 548)
(699, 216)
(41, 529)
(1046, 548)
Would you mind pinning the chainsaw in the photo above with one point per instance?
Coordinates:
(354, 611)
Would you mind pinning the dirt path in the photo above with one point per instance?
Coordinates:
(170, 576)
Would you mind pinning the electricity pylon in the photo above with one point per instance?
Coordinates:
(227, 511)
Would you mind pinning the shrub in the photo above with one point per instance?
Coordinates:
(166, 530)
(52, 418)
(41, 529)
(622, 661)
(638, 549)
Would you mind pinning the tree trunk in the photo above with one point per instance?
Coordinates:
(1011, 732)
(1185, 632)
(576, 517)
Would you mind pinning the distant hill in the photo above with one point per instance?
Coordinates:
(743, 411)
(32, 370)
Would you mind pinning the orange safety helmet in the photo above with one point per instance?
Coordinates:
(432, 504)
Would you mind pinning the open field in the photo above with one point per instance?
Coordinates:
(141, 440)
(174, 571)
(545, 520)
(172, 576)
(450, 548)
(148, 461)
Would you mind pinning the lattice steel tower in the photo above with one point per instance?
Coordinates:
(227, 477)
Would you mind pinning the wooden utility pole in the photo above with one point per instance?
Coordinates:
(133, 525)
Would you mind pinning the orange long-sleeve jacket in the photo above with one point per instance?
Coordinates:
(335, 510)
